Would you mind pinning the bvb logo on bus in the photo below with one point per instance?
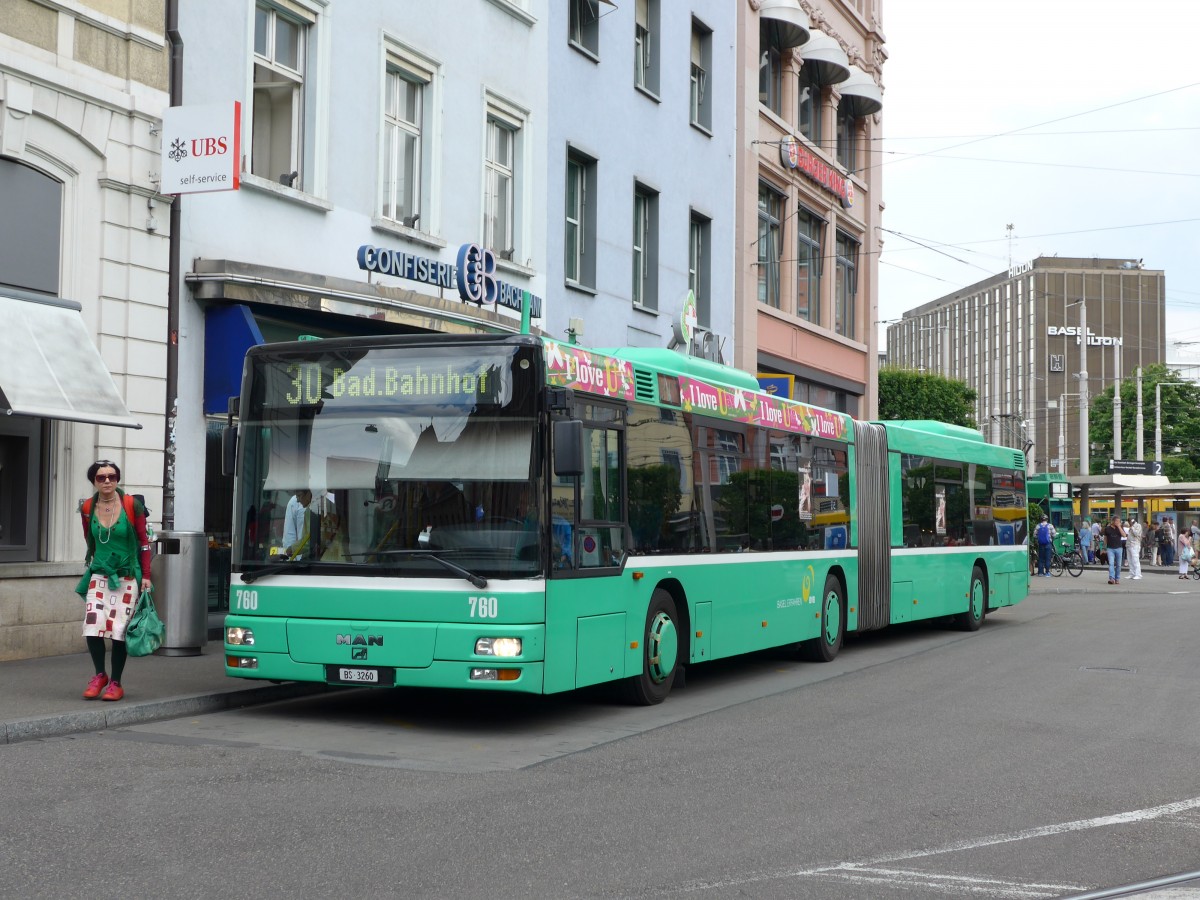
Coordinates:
(806, 586)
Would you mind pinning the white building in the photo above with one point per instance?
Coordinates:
(83, 292)
(588, 146)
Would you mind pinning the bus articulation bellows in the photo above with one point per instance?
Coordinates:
(515, 513)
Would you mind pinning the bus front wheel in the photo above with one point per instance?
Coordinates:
(825, 646)
(660, 653)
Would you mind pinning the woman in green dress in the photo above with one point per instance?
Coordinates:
(118, 569)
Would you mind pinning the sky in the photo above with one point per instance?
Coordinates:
(1077, 122)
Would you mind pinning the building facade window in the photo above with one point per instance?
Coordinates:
(847, 139)
(770, 244)
(809, 231)
(500, 192)
(281, 41)
(584, 25)
(808, 104)
(701, 105)
(30, 259)
(645, 39)
(645, 247)
(770, 70)
(845, 289)
(699, 270)
(579, 237)
(406, 154)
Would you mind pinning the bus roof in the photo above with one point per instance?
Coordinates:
(929, 426)
(672, 363)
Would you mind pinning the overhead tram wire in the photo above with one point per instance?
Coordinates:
(1087, 112)
(953, 137)
(1048, 165)
(1018, 131)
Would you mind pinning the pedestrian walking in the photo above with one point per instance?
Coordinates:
(1085, 541)
(1133, 544)
(118, 569)
(1045, 544)
(1096, 544)
(1185, 552)
(1166, 541)
(1150, 542)
(1114, 537)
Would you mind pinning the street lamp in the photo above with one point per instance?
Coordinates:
(1158, 415)
(1062, 435)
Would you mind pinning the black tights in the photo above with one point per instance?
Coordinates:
(96, 648)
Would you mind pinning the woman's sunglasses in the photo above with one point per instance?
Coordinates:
(108, 477)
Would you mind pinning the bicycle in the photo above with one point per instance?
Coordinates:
(1072, 561)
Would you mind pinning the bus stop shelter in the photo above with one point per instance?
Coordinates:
(1141, 488)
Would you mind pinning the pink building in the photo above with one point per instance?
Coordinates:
(809, 197)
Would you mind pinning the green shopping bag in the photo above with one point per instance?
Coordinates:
(144, 633)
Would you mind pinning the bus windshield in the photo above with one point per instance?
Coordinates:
(389, 461)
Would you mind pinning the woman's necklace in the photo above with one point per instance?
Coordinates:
(103, 532)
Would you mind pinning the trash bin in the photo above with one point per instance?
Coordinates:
(180, 573)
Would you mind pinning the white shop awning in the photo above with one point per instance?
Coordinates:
(827, 57)
(788, 23)
(50, 368)
(861, 94)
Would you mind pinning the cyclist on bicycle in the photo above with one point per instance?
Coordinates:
(1045, 545)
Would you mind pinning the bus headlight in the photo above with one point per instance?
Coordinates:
(498, 646)
(240, 637)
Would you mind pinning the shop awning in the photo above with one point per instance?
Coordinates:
(825, 55)
(229, 331)
(861, 94)
(788, 22)
(50, 368)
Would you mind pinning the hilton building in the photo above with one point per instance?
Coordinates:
(1016, 339)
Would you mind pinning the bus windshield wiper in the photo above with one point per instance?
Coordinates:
(252, 575)
(478, 580)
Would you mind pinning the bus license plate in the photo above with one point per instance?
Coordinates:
(359, 676)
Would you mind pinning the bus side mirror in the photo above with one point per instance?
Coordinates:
(228, 449)
(229, 439)
(568, 447)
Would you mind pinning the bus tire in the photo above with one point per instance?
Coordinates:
(826, 645)
(660, 653)
(976, 603)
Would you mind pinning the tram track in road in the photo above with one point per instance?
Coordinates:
(902, 874)
(1185, 886)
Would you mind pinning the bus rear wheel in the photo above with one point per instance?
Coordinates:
(660, 653)
(826, 645)
(976, 603)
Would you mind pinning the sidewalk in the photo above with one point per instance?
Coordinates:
(43, 697)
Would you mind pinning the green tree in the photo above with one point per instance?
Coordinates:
(1180, 424)
(906, 394)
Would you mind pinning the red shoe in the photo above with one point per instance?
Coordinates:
(113, 692)
(95, 686)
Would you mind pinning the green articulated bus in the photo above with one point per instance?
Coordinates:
(514, 513)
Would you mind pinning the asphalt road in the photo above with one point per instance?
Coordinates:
(1051, 753)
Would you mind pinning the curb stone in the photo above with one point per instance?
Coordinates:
(116, 716)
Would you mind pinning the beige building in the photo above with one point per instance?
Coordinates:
(1016, 339)
(809, 197)
(83, 291)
